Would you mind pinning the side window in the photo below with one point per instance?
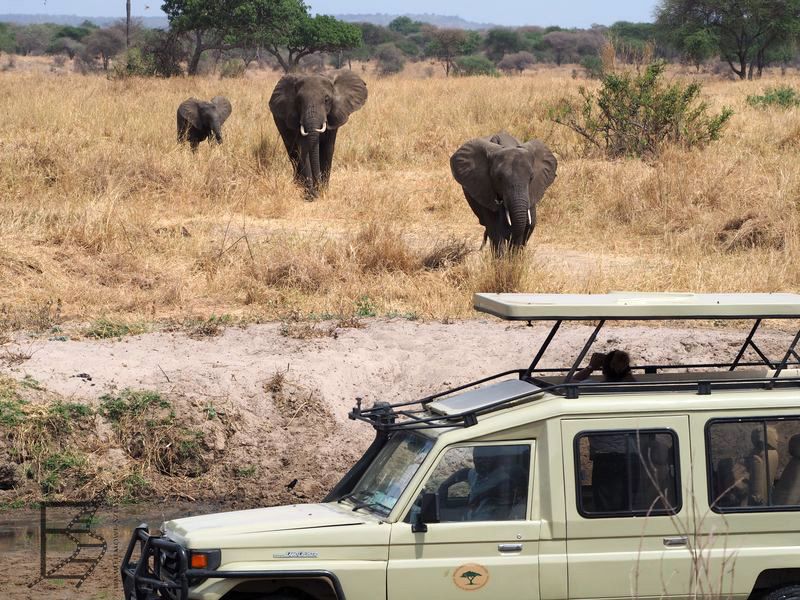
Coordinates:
(481, 483)
(754, 464)
(627, 473)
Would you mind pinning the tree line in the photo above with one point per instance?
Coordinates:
(746, 35)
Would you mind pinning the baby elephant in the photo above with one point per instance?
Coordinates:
(198, 120)
(503, 181)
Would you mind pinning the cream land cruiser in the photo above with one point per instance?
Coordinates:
(683, 482)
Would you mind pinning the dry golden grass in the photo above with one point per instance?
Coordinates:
(103, 214)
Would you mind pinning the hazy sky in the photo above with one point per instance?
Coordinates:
(567, 13)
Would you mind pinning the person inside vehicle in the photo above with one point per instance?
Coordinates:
(497, 484)
(614, 365)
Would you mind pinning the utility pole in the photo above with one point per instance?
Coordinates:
(128, 24)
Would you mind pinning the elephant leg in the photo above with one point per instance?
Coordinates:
(292, 145)
(195, 136)
(496, 231)
(327, 143)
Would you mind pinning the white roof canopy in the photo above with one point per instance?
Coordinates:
(634, 305)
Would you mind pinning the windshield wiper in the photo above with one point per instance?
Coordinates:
(351, 496)
(359, 504)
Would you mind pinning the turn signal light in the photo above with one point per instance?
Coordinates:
(199, 561)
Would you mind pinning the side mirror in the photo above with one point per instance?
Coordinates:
(428, 513)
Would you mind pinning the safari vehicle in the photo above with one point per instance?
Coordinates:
(682, 482)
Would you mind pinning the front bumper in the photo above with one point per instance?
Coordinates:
(161, 572)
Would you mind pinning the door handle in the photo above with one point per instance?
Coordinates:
(508, 548)
(676, 542)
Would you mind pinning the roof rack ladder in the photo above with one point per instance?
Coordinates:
(584, 351)
(545, 345)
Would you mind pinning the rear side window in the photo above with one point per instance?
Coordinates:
(754, 464)
(627, 473)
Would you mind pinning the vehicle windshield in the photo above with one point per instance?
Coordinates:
(390, 472)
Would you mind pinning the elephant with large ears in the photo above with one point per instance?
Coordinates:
(308, 111)
(198, 120)
(503, 181)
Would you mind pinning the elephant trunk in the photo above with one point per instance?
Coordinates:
(519, 215)
(313, 124)
(316, 171)
(216, 130)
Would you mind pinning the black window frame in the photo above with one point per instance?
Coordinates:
(656, 512)
(726, 510)
(530, 443)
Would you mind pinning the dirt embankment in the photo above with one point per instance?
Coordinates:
(235, 418)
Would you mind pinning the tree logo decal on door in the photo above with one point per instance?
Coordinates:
(470, 577)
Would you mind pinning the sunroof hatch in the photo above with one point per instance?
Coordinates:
(475, 400)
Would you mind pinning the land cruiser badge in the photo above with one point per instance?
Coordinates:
(296, 554)
(470, 577)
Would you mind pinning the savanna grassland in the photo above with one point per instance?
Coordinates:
(104, 216)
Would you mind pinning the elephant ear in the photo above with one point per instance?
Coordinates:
(349, 94)
(224, 108)
(470, 166)
(544, 169)
(282, 102)
(190, 111)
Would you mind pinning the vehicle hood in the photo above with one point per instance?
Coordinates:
(258, 521)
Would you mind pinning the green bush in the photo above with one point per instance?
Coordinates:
(783, 96)
(593, 65)
(390, 59)
(134, 64)
(232, 69)
(638, 114)
(475, 65)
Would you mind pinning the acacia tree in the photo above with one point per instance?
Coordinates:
(291, 39)
(746, 30)
(699, 47)
(283, 28)
(105, 43)
(207, 21)
(445, 45)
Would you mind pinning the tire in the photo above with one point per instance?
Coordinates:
(790, 592)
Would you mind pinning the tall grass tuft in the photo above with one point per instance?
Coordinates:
(104, 215)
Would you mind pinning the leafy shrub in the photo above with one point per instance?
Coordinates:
(232, 69)
(783, 96)
(390, 59)
(517, 61)
(593, 65)
(475, 65)
(134, 63)
(166, 51)
(638, 114)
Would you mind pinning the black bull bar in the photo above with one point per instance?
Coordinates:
(162, 571)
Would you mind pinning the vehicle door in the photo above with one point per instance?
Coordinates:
(628, 508)
(486, 542)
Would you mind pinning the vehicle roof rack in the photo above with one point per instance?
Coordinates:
(637, 306)
(461, 406)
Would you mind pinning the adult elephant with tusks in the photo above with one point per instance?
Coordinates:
(308, 111)
(503, 181)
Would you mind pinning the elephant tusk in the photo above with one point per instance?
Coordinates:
(529, 217)
(324, 128)
(303, 131)
(508, 218)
